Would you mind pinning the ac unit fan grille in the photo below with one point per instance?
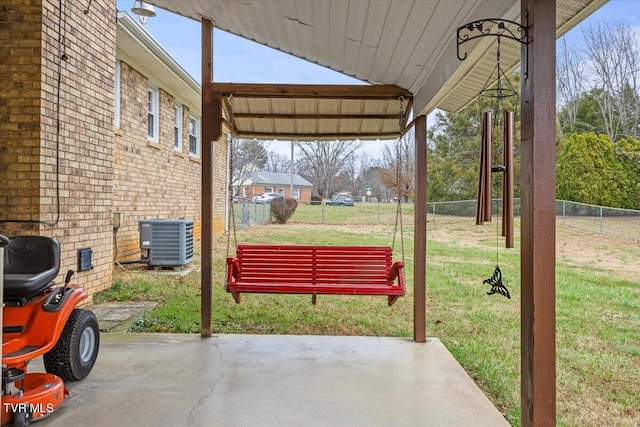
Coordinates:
(170, 241)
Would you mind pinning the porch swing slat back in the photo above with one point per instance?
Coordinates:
(315, 270)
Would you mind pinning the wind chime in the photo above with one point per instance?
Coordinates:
(492, 119)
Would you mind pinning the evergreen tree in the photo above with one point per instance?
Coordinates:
(587, 115)
(588, 171)
(628, 155)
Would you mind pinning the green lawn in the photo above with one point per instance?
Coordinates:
(598, 314)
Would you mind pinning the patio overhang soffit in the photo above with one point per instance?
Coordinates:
(313, 112)
(401, 44)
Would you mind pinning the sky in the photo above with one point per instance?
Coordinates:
(235, 59)
(242, 61)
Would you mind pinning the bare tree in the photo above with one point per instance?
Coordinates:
(277, 162)
(614, 66)
(351, 171)
(570, 81)
(321, 162)
(399, 161)
(371, 178)
(249, 155)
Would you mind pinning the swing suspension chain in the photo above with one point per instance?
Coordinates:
(232, 219)
(398, 223)
(230, 197)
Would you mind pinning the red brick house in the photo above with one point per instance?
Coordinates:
(276, 182)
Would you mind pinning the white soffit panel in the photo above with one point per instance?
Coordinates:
(407, 43)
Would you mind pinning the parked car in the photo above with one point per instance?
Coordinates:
(340, 201)
(266, 197)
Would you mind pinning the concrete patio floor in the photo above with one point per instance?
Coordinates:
(273, 380)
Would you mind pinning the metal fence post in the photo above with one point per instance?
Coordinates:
(378, 211)
(266, 213)
(322, 220)
(434, 212)
(601, 220)
(564, 212)
(255, 213)
(245, 216)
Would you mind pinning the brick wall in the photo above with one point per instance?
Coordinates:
(305, 195)
(152, 179)
(20, 50)
(63, 136)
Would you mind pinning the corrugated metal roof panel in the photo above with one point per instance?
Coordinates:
(407, 43)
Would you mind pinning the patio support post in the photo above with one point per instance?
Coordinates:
(420, 240)
(211, 130)
(538, 311)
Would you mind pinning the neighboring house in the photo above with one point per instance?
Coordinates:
(89, 130)
(276, 182)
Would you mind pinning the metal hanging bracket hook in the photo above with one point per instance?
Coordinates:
(491, 27)
(496, 28)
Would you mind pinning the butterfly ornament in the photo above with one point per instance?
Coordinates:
(497, 287)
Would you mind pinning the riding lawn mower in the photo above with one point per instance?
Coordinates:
(41, 319)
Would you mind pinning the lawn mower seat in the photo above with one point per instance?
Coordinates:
(31, 263)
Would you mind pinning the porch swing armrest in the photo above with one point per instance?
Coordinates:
(233, 268)
(396, 272)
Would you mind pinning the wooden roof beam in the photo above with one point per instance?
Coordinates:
(260, 90)
(314, 116)
(316, 136)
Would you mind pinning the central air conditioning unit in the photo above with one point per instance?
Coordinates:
(166, 242)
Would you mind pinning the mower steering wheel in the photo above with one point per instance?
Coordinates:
(4, 240)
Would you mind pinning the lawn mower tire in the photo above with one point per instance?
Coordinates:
(75, 353)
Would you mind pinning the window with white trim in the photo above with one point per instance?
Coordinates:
(194, 136)
(177, 128)
(281, 191)
(296, 193)
(245, 191)
(152, 115)
(116, 115)
(268, 189)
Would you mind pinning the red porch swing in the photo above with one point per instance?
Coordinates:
(336, 270)
(318, 270)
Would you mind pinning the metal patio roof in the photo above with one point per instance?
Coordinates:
(314, 112)
(403, 43)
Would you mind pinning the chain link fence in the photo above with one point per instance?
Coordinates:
(616, 222)
(623, 223)
(247, 213)
(462, 211)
